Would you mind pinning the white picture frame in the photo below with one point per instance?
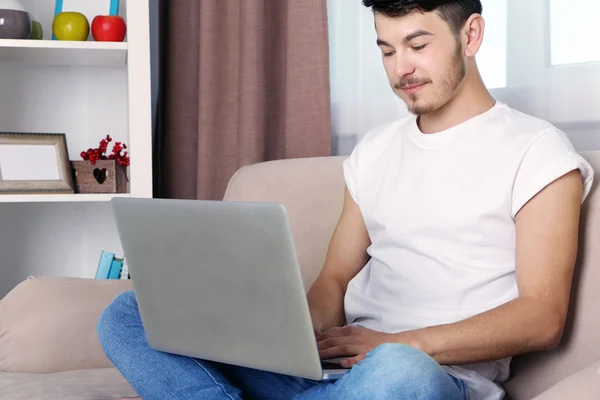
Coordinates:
(88, 8)
(35, 163)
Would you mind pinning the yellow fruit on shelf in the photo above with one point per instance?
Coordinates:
(71, 25)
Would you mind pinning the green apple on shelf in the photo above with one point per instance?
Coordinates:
(37, 32)
(70, 25)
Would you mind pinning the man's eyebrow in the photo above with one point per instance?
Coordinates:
(407, 39)
(383, 43)
(416, 34)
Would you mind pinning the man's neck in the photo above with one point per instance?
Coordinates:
(471, 100)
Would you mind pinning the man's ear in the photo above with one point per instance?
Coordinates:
(472, 35)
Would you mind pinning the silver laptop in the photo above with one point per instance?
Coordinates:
(220, 281)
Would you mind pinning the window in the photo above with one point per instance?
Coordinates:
(491, 58)
(574, 31)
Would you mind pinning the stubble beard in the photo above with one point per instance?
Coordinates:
(453, 78)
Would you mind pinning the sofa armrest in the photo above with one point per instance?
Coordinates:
(582, 385)
(48, 324)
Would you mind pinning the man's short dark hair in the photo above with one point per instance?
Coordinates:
(454, 12)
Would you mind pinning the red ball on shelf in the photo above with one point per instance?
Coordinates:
(109, 28)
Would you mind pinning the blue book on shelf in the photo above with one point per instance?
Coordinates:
(115, 268)
(104, 265)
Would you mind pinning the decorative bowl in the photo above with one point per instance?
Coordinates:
(14, 20)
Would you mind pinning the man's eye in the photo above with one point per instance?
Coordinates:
(418, 48)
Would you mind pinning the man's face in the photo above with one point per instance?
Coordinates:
(422, 59)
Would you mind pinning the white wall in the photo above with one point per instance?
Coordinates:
(54, 239)
(84, 103)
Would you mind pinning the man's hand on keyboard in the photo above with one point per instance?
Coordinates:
(350, 344)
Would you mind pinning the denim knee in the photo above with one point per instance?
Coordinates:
(400, 356)
(111, 320)
(399, 366)
(392, 352)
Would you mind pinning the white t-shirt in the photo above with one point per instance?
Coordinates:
(440, 211)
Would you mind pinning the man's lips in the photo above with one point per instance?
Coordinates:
(410, 89)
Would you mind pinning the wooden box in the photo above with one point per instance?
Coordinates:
(106, 176)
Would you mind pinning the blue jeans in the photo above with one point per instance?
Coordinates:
(391, 371)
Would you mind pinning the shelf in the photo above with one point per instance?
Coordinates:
(67, 53)
(58, 198)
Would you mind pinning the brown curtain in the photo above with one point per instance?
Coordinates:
(242, 81)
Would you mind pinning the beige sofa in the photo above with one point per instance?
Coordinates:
(48, 344)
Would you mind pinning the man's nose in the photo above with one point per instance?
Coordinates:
(403, 67)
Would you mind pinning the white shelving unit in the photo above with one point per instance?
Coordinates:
(85, 90)
(53, 52)
(59, 198)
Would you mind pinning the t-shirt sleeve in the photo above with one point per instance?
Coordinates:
(549, 158)
(351, 171)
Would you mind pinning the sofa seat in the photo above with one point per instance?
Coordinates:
(85, 384)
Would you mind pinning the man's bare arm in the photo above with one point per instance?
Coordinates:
(346, 255)
(547, 235)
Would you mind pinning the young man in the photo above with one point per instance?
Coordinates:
(454, 251)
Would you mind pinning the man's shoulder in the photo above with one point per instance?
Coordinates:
(526, 127)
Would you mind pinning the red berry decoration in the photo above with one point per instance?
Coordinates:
(93, 155)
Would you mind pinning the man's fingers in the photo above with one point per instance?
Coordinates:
(345, 350)
(349, 362)
(333, 342)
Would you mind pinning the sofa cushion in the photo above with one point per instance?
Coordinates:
(583, 385)
(49, 324)
(311, 189)
(90, 384)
